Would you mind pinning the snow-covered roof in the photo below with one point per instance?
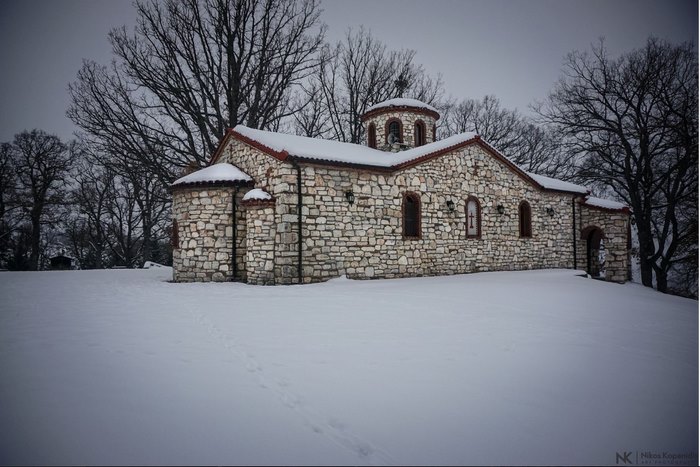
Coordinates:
(257, 194)
(402, 102)
(321, 150)
(556, 184)
(348, 153)
(216, 173)
(604, 203)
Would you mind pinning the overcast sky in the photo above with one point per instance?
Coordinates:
(510, 48)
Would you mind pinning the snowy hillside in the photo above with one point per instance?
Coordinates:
(533, 367)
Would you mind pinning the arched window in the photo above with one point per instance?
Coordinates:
(525, 219)
(595, 247)
(372, 136)
(175, 236)
(473, 211)
(419, 133)
(393, 127)
(411, 215)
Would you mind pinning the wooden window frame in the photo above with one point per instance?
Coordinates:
(372, 136)
(175, 236)
(419, 128)
(478, 217)
(388, 126)
(419, 218)
(525, 220)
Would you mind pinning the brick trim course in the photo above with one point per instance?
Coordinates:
(403, 108)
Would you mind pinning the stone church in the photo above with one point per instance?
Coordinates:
(273, 208)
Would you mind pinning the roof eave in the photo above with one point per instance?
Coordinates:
(221, 146)
(286, 156)
(212, 184)
(280, 155)
(349, 165)
(625, 209)
(518, 171)
(399, 108)
(560, 190)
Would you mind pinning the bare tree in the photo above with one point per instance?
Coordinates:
(41, 162)
(192, 69)
(7, 182)
(533, 147)
(540, 150)
(92, 197)
(104, 180)
(9, 207)
(486, 117)
(77, 236)
(153, 202)
(15, 229)
(311, 117)
(355, 74)
(633, 123)
(125, 238)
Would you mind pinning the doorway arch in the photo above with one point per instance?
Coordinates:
(595, 250)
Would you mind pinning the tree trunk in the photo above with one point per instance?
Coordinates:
(147, 250)
(661, 280)
(646, 249)
(99, 250)
(647, 271)
(35, 240)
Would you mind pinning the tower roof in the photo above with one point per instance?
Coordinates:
(223, 174)
(401, 103)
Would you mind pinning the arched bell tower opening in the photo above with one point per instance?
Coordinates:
(400, 124)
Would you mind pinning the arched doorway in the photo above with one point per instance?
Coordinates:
(595, 250)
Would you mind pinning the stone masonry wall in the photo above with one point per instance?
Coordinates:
(614, 225)
(263, 168)
(279, 179)
(205, 234)
(364, 240)
(260, 242)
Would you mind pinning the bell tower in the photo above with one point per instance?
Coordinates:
(400, 124)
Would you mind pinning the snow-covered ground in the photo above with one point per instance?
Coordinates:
(532, 367)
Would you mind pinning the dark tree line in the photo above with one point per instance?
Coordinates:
(32, 194)
(58, 198)
(631, 128)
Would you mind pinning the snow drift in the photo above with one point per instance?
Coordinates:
(532, 367)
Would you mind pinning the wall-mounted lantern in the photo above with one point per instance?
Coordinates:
(450, 205)
(500, 209)
(350, 196)
(550, 211)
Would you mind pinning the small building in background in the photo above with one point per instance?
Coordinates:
(61, 262)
